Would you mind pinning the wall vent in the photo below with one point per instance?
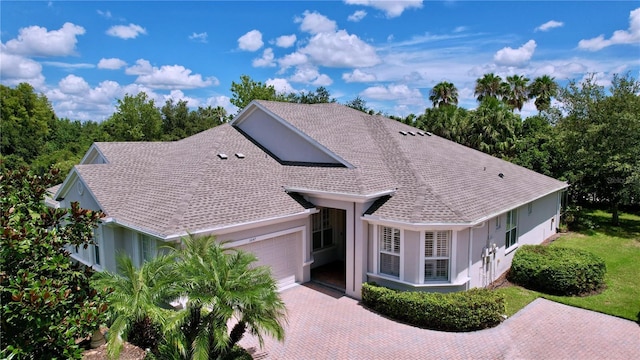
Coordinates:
(223, 156)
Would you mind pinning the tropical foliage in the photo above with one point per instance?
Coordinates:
(46, 300)
(219, 287)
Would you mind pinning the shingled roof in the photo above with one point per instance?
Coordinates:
(167, 188)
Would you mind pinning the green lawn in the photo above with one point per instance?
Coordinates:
(620, 248)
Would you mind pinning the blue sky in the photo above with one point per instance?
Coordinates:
(83, 55)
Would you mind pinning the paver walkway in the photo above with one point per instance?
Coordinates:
(324, 325)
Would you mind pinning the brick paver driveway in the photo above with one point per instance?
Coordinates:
(324, 325)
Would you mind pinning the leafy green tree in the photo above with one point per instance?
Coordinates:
(494, 129)
(46, 300)
(360, 104)
(600, 140)
(536, 147)
(136, 119)
(175, 117)
(490, 85)
(542, 89)
(444, 93)
(26, 117)
(516, 91)
(320, 96)
(450, 122)
(248, 90)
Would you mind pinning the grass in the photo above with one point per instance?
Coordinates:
(619, 246)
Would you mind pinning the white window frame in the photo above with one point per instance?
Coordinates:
(96, 254)
(435, 256)
(321, 222)
(141, 247)
(381, 251)
(511, 231)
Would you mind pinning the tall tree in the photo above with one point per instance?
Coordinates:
(542, 89)
(248, 90)
(600, 139)
(175, 118)
(444, 93)
(494, 129)
(26, 118)
(490, 85)
(516, 91)
(450, 122)
(136, 119)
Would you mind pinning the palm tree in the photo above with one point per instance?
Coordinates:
(517, 93)
(222, 286)
(490, 85)
(543, 89)
(134, 300)
(444, 93)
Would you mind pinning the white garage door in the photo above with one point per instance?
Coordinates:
(283, 254)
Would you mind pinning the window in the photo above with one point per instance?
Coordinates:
(498, 222)
(511, 237)
(390, 251)
(436, 255)
(322, 230)
(147, 248)
(530, 208)
(96, 246)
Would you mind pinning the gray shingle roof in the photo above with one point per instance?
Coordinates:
(171, 187)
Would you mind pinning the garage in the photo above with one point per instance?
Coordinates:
(282, 253)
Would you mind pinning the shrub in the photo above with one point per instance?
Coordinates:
(459, 311)
(557, 270)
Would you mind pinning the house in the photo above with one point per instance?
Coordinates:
(303, 185)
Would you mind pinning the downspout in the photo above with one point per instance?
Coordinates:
(353, 283)
(470, 261)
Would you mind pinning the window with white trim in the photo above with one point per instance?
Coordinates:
(96, 246)
(389, 263)
(511, 237)
(148, 248)
(437, 251)
(322, 231)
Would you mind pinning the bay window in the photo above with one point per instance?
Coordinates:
(437, 245)
(389, 249)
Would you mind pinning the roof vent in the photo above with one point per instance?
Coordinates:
(223, 156)
(403, 133)
(240, 155)
(428, 133)
(420, 133)
(412, 133)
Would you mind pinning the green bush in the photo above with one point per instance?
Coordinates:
(557, 270)
(459, 311)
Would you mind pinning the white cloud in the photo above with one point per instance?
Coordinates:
(630, 36)
(105, 14)
(549, 25)
(141, 67)
(178, 95)
(315, 23)
(126, 32)
(199, 37)
(357, 16)
(37, 41)
(515, 57)
(250, 41)
(340, 49)
(311, 75)
(111, 63)
(68, 66)
(391, 8)
(460, 29)
(293, 59)
(224, 101)
(286, 41)
(393, 92)
(267, 59)
(168, 76)
(73, 84)
(282, 86)
(15, 69)
(358, 76)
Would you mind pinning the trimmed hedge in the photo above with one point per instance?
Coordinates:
(459, 311)
(557, 270)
